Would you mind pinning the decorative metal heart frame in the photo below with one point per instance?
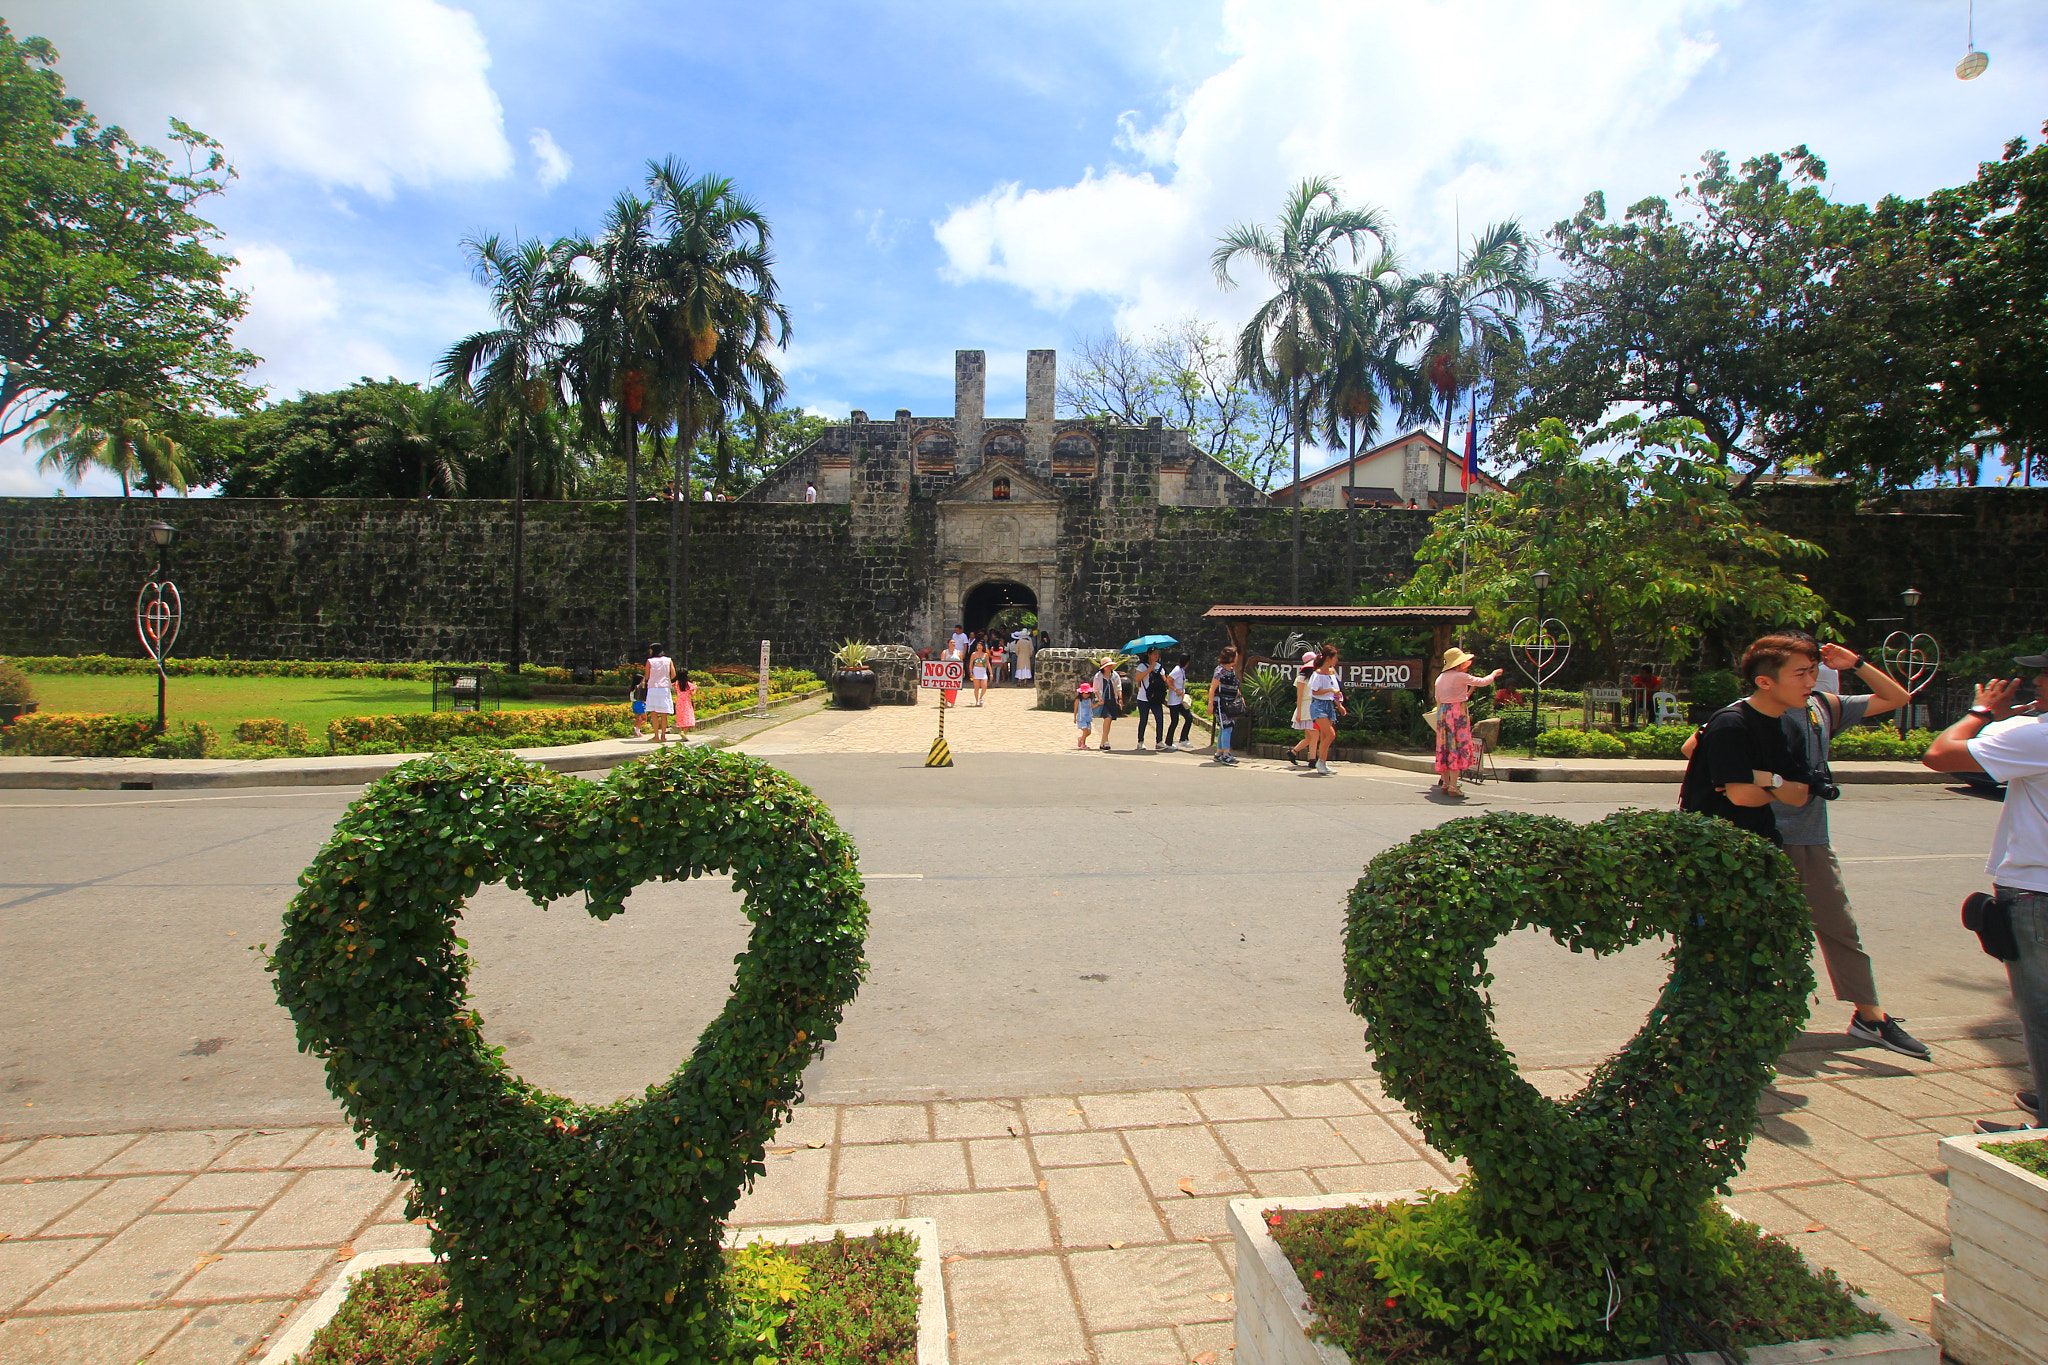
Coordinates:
(1540, 649)
(158, 611)
(1912, 659)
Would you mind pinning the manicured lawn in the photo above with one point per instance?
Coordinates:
(220, 702)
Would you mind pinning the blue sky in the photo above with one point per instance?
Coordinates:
(988, 175)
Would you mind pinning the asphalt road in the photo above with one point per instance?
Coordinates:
(1041, 924)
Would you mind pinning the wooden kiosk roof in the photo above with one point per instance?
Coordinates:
(1237, 621)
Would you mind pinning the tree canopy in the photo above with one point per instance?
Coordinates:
(1646, 549)
(107, 282)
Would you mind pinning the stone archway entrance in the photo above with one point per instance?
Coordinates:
(986, 599)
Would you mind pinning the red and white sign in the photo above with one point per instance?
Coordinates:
(943, 673)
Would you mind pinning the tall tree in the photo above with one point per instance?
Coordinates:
(1472, 315)
(429, 433)
(714, 315)
(1289, 338)
(1367, 374)
(117, 434)
(1645, 547)
(107, 284)
(510, 369)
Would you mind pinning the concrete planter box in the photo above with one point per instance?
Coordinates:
(1273, 1316)
(932, 1343)
(1994, 1308)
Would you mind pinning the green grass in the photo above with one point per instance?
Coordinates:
(220, 702)
(857, 1305)
(2028, 1156)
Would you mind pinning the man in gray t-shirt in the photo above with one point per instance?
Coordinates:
(1804, 829)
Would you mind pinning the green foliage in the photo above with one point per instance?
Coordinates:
(569, 1229)
(107, 283)
(393, 1315)
(15, 687)
(1573, 743)
(781, 679)
(1270, 695)
(187, 739)
(762, 1286)
(88, 735)
(1644, 544)
(1423, 1284)
(1617, 1172)
(288, 734)
(1997, 662)
(1880, 742)
(852, 654)
(2028, 1156)
(1657, 741)
(1717, 688)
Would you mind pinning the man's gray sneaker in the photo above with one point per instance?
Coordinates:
(1887, 1033)
(2030, 1101)
(1989, 1126)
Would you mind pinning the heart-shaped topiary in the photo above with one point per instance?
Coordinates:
(1615, 1175)
(569, 1230)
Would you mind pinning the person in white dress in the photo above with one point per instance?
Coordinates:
(661, 696)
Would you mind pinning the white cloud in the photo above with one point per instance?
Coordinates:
(362, 94)
(317, 331)
(555, 164)
(1475, 110)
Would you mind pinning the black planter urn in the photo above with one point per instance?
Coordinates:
(15, 710)
(853, 688)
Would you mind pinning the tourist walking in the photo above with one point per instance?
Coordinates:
(1084, 713)
(661, 700)
(1810, 730)
(1303, 752)
(1149, 687)
(1325, 704)
(2010, 742)
(977, 670)
(1177, 717)
(1109, 696)
(1456, 749)
(1026, 647)
(1226, 702)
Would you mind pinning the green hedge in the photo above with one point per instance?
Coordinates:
(1612, 1179)
(569, 1232)
(85, 734)
(417, 671)
(1871, 743)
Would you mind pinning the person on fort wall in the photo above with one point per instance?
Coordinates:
(661, 701)
(1811, 719)
(1457, 750)
(2008, 739)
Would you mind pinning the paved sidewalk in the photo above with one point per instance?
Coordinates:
(1073, 1227)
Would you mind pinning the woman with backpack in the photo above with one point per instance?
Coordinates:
(1226, 703)
(1150, 687)
(1177, 717)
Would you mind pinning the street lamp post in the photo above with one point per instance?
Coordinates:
(158, 610)
(1910, 598)
(1542, 577)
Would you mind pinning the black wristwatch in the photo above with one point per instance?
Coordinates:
(1984, 711)
(1856, 663)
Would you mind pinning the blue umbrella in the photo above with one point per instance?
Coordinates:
(1145, 642)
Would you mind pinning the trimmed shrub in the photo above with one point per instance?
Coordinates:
(1658, 741)
(417, 730)
(85, 734)
(1716, 688)
(569, 1232)
(1565, 743)
(15, 689)
(287, 734)
(1616, 1175)
(1870, 742)
(779, 679)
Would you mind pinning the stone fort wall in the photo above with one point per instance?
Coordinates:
(392, 580)
(399, 580)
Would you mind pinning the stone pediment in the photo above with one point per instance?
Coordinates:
(980, 486)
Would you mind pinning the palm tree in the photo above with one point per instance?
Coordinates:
(118, 434)
(714, 316)
(506, 368)
(430, 431)
(609, 364)
(1377, 324)
(1475, 312)
(1290, 337)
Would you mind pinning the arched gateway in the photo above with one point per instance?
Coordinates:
(984, 600)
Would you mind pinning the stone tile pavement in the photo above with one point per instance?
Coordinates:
(1073, 1227)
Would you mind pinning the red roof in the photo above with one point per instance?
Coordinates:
(1339, 469)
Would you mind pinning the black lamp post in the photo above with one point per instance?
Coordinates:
(1542, 577)
(158, 617)
(1910, 598)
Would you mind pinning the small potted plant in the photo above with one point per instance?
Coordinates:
(853, 682)
(16, 697)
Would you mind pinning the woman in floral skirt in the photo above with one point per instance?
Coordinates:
(1456, 749)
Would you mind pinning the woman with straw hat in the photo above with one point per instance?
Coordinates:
(1456, 750)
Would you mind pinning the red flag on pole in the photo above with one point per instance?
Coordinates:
(1469, 475)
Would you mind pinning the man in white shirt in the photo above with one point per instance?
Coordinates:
(2011, 744)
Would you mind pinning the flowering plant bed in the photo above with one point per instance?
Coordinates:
(1340, 1279)
(852, 1294)
(1993, 1308)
